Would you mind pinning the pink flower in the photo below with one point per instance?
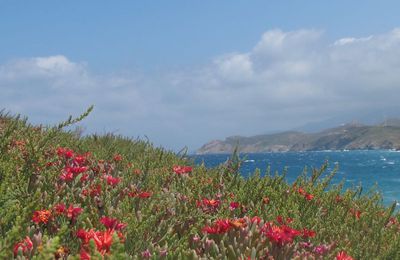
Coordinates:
(146, 254)
(321, 249)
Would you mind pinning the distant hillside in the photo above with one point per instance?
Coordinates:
(346, 137)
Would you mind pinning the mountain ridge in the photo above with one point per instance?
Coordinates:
(351, 136)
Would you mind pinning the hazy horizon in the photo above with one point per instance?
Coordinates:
(184, 73)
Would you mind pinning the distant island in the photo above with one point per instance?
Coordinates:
(351, 136)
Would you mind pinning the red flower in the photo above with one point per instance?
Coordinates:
(121, 237)
(282, 221)
(355, 213)
(79, 160)
(342, 255)
(308, 233)
(84, 235)
(64, 152)
(238, 223)
(212, 203)
(95, 190)
(117, 158)
(182, 169)
(112, 181)
(144, 194)
(280, 234)
(72, 212)
(60, 209)
(256, 219)
(67, 176)
(103, 240)
(76, 170)
(137, 171)
(84, 255)
(41, 216)
(220, 226)
(301, 191)
(234, 205)
(25, 245)
(84, 177)
(266, 200)
(338, 199)
(308, 196)
(112, 223)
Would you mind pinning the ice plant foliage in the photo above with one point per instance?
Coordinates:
(108, 197)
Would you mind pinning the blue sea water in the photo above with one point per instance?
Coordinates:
(379, 169)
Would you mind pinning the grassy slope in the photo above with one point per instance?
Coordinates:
(171, 220)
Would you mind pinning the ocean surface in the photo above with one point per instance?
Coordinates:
(379, 169)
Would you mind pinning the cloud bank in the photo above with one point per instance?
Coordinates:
(286, 80)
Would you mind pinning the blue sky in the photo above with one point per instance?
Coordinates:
(185, 72)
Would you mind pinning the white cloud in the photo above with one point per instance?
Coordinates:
(345, 41)
(287, 79)
(235, 67)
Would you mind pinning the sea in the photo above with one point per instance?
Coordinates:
(373, 170)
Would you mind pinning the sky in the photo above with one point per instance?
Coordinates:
(182, 73)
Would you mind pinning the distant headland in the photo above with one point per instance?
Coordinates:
(351, 136)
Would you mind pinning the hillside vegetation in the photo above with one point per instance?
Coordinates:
(63, 196)
(347, 137)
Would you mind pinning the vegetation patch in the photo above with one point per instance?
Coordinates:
(63, 196)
